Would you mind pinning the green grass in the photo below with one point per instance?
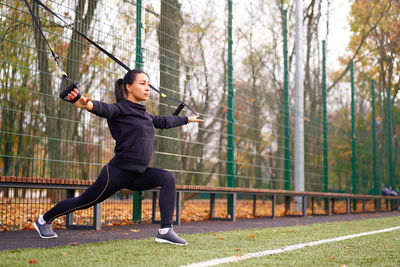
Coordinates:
(378, 249)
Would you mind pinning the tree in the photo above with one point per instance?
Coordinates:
(56, 128)
(375, 46)
(168, 39)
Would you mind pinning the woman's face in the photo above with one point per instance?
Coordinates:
(139, 90)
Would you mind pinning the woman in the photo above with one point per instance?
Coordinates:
(134, 132)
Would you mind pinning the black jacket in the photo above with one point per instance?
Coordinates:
(134, 132)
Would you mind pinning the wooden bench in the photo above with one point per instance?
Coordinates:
(231, 192)
(330, 197)
(66, 184)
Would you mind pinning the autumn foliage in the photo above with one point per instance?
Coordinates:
(16, 214)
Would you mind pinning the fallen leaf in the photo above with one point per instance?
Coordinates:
(222, 238)
(238, 249)
(342, 265)
(63, 253)
(125, 233)
(134, 230)
(251, 236)
(333, 257)
(386, 247)
(345, 247)
(33, 261)
(214, 234)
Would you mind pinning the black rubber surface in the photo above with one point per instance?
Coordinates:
(31, 239)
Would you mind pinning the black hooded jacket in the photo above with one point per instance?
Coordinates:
(134, 132)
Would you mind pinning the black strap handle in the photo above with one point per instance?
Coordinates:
(64, 92)
(179, 109)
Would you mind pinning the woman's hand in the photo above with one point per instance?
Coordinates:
(194, 119)
(82, 102)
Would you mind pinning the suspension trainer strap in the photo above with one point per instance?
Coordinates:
(55, 56)
(64, 92)
(83, 35)
(70, 88)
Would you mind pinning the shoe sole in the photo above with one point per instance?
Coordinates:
(47, 237)
(159, 240)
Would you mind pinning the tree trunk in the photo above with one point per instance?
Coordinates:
(45, 86)
(168, 39)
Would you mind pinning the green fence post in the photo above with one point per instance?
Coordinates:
(325, 125)
(325, 120)
(389, 126)
(231, 120)
(139, 56)
(138, 195)
(286, 111)
(353, 137)
(286, 102)
(375, 173)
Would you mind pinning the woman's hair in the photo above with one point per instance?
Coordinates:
(120, 85)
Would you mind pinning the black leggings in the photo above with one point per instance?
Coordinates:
(113, 179)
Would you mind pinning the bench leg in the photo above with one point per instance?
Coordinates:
(69, 220)
(97, 217)
(233, 215)
(348, 202)
(287, 204)
(312, 206)
(354, 208)
(304, 199)
(273, 205)
(154, 208)
(254, 204)
(329, 206)
(212, 205)
(178, 208)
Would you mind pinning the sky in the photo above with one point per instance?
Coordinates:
(339, 32)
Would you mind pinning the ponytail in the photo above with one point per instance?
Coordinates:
(120, 85)
(120, 90)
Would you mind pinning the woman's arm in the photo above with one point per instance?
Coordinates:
(165, 122)
(98, 108)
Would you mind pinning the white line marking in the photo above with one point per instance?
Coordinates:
(284, 249)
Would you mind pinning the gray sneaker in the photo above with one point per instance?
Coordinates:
(171, 238)
(44, 230)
